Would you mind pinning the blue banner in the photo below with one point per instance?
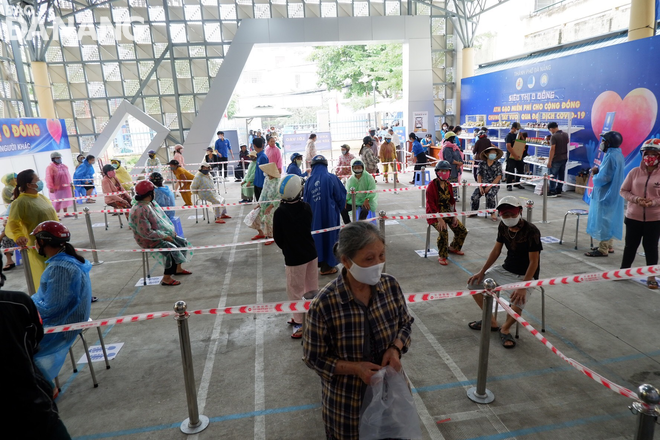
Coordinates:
(606, 88)
(32, 135)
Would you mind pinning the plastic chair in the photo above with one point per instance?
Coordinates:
(18, 259)
(577, 213)
(371, 214)
(89, 358)
(105, 214)
(418, 177)
(207, 217)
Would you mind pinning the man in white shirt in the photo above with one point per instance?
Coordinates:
(397, 144)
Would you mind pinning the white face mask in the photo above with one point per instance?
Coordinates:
(602, 146)
(367, 275)
(511, 222)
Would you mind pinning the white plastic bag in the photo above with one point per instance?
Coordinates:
(252, 217)
(388, 409)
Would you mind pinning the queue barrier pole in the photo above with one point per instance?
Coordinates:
(354, 210)
(647, 416)
(381, 224)
(423, 171)
(75, 205)
(396, 173)
(92, 241)
(530, 207)
(545, 198)
(28, 272)
(480, 394)
(464, 200)
(195, 422)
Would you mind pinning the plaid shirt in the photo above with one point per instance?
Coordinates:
(334, 331)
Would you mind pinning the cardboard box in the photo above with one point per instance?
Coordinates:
(580, 181)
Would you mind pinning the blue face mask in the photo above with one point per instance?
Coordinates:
(40, 186)
(492, 156)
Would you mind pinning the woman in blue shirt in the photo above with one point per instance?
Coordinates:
(294, 166)
(163, 194)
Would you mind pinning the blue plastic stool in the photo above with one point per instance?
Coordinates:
(418, 177)
(371, 214)
(18, 259)
(176, 221)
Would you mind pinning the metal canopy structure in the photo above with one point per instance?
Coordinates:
(168, 53)
(465, 15)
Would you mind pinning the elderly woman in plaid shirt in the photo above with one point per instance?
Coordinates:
(356, 325)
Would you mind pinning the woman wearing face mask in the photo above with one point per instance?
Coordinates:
(440, 199)
(163, 194)
(387, 157)
(419, 157)
(294, 166)
(153, 163)
(122, 175)
(356, 325)
(79, 159)
(64, 295)
(110, 184)
(343, 168)
(204, 187)
(83, 177)
(452, 154)
(28, 209)
(365, 202)
(58, 182)
(642, 191)
(153, 229)
(367, 155)
(490, 171)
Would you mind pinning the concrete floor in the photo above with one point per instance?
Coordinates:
(250, 377)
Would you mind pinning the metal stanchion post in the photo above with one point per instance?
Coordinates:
(195, 422)
(396, 173)
(464, 199)
(423, 171)
(480, 394)
(381, 224)
(530, 207)
(545, 198)
(92, 241)
(647, 416)
(354, 208)
(75, 206)
(28, 272)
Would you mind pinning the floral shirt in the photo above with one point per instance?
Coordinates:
(343, 168)
(203, 186)
(370, 160)
(489, 173)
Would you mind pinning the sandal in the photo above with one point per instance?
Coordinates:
(476, 325)
(442, 261)
(224, 216)
(507, 339)
(268, 243)
(293, 322)
(171, 283)
(184, 272)
(9, 266)
(332, 271)
(457, 252)
(297, 332)
(609, 251)
(217, 220)
(652, 284)
(595, 253)
(258, 237)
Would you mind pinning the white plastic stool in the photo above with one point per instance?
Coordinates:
(105, 214)
(207, 217)
(577, 213)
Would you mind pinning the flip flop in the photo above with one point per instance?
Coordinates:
(297, 332)
(184, 272)
(653, 285)
(9, 266)
(258, 237)
(224, 216)
(442, 261)
(172, 283)
(454, 251)
(506, 338)
(595, 253)
(268, 243)
(219, 221)
(476, 325)
(292, 322)
(332, 271)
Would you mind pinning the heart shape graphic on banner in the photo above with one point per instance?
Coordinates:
(55, 129)
(634, 118)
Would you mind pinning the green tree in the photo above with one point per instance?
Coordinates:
(352, 69)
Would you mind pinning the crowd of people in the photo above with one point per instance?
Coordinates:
(361, 301)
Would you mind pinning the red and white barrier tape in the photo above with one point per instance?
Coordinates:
(438, 215)
(619, 274)
(578, 366)
(270, 308)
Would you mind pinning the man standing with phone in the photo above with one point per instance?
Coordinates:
(514, 162)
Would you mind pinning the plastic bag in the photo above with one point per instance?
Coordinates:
(252, 216)
(388, 409)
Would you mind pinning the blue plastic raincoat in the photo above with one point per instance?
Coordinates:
(64, 297)
(165, 197)
(606, 208)
(84, 174)
(327, 197)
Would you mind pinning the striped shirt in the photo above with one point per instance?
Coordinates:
(335, 330)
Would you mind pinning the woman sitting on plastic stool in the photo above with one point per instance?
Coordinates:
(365, 202)
(64, 295)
